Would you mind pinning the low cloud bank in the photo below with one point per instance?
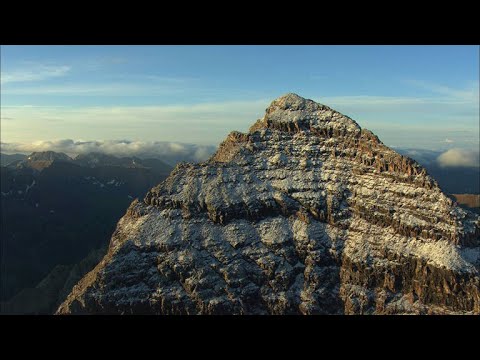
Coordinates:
(423, 156)
(171, 152)
(459, 158)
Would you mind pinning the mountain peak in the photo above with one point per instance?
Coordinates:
(292, 101)
(48, 156)
(293, 113)
(306, 214)
(40, 160)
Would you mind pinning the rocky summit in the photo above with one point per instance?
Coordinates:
(307, 213)
(41, 160)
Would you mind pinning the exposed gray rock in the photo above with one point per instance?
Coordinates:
(307, 213)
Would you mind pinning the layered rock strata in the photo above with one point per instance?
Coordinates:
(306, 214)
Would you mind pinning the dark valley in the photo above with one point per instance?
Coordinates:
(57, 215)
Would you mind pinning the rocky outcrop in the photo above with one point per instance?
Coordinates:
(307, 213)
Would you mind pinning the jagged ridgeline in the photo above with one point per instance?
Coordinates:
(307, 213)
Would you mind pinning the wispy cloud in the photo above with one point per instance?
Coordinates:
(102, 89)
(205, 123)
(382, 101)
(368, 100)
(399, 121)
(36, 72)
(171, 152)
(213, 112)
(464, 101)
(125, 85)
(468, 94)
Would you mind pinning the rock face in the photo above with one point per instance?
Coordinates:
(306, 214)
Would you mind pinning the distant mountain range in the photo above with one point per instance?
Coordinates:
(57, 211)
(6, 159)
(452, 180)
(41, 160)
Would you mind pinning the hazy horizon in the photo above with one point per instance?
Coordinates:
(423, 97)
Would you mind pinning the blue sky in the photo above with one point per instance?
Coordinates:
(410, 96)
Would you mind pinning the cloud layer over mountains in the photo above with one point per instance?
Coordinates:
(171, 152)
(459, 158)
